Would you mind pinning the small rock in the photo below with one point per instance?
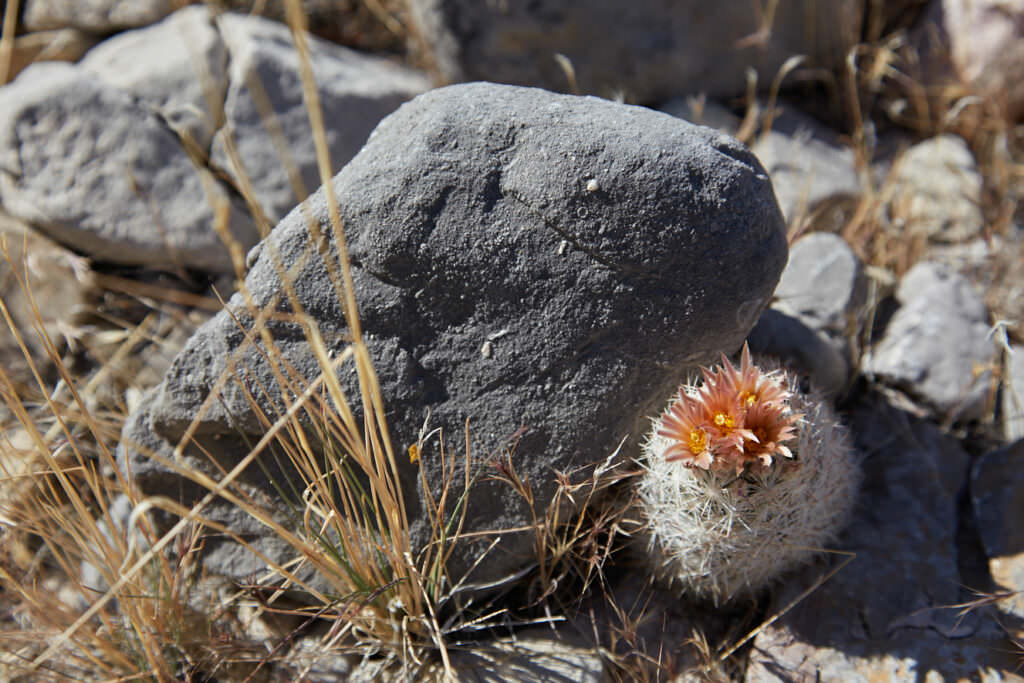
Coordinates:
(177, 66)
(1013, 394)
(887, 615)
(93, 169)
(823, 284)
(651, 52)
(937, 345)
(94, 16)
(937, 191)
(454, 212)
(356, 91)
(808, 165)
(534, 655)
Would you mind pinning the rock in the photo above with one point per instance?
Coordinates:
(808, 165)
(356, 91)
(650, 52)
(538, 654)
(95, 170)
(177, 66)
(886, 616)
(937, 346)
(937, 191)
(94, 16)
(703, 112)
(53, 276)
(996, 481)
(62, 45)
(801, 348)
(1013, 394)
(823, 284)
(532, 262)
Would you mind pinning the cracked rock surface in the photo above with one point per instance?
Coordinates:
(546, 266)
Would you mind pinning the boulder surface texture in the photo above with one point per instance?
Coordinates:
(546, 266)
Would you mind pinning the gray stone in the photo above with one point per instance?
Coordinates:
(178, 66)
(801, 348)
(93, 169)
(996, 482)
(937, 191)
(886, 616)
(1013, 394)
(823, 284)
(937, 346)
(534, 655)
(520, 259)
(809, 167)
(649, 50)
(94, 16)
(356, 91)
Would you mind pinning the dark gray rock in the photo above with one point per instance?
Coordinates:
(521, 259)
(650, 50)
(937, 346)
(886, 616)
(801, 348)
(356, 91)
(997, 479)
(178, 66)
(95, 170)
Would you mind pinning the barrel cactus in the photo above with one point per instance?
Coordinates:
(745, 477)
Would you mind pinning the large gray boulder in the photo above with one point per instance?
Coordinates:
(97, 170)
(649, 50)
(546, 266)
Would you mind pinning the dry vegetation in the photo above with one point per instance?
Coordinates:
(145, 611)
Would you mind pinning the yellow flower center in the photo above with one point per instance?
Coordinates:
(724, 420)
(698, 441)
(748, 398)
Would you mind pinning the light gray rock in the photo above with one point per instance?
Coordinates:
(823, 284)
(521, 259)
(356, 91)
(937, 346)
(937, 190)
(649, 50)
(808, 165)
(536, 655)
(94, 16)
(178, 66)
(1013, 394)
(93, 169)
(886, 616)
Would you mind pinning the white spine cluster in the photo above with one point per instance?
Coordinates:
(720, 537)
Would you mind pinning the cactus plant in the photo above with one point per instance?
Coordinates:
(745, 477)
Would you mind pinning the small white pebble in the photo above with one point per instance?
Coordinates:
(562, 246)
(487, 349)
(592, 185)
